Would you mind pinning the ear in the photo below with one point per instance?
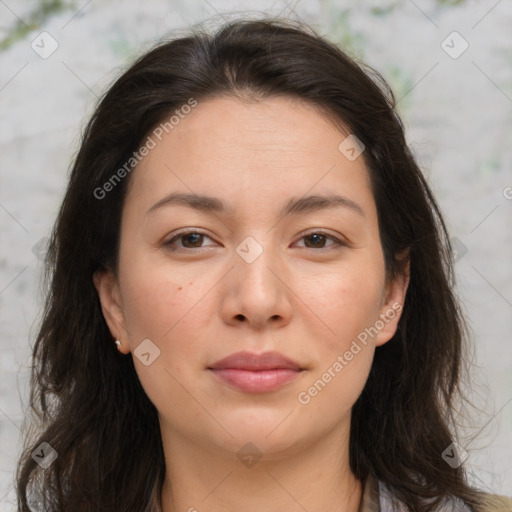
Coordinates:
(107, 287)
(393, 302)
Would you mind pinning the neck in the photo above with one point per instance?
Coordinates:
(315, 478)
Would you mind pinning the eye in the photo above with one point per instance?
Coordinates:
(193, 239)
(189, 239)
(318, 239)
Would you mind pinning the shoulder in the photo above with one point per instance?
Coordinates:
(497, 503)
(450, 504)
(491, 503)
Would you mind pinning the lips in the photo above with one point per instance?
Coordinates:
(253, 373)
(255, 362)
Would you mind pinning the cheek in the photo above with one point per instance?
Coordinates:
(149, 305)
(345, 357)
(349, 305)
(332, 392)
(167, 310)
(159, 304)
(347, 302)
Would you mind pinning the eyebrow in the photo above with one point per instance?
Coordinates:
(294, 206)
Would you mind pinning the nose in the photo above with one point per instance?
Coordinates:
(258, 291)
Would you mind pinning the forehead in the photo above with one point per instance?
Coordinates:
(232, 146)
(280, 123)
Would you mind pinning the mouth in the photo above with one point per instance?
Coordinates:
(256, 381)
(253, 373)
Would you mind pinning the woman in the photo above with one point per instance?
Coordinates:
(250, 301)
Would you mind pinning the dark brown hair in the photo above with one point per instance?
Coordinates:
(91, 406)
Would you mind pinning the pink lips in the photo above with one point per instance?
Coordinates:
(255, 373)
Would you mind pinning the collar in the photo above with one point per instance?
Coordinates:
(375, 498)
(370, 501)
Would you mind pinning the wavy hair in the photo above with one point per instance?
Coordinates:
(84, 393)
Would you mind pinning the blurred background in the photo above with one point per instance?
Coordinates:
(450, 66)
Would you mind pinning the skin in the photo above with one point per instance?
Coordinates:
(306, 298)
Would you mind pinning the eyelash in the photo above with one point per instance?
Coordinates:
(337, 241)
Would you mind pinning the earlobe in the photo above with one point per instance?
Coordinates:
(393, 306)
(107, 288)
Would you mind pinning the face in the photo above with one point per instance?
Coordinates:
(307, 281)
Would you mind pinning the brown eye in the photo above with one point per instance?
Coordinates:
(193, 239)
(188, 239)
(317, 240)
